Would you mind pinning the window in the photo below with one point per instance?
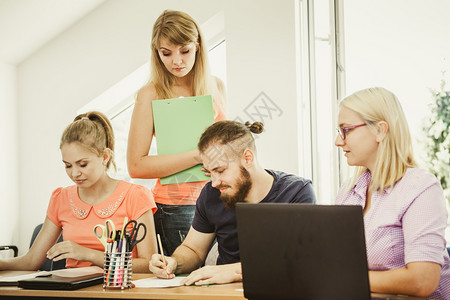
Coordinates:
(403, 47)
(319, 90)
(382, 48)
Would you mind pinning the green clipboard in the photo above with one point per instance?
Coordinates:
(179, 123)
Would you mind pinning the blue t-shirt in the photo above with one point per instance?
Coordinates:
(211, 215)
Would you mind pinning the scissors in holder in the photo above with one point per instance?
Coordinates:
(134, 233)
(107, 232)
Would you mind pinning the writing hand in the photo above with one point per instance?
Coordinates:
(161, 270)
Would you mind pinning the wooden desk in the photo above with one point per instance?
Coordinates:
(224, 291)
(219, 291)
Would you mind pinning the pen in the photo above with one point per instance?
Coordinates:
(122, 262)
(161, 250)
(112, 263)
(125, 221)
(108, 248)
(118, 258)
(125, 268)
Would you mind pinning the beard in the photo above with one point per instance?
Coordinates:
(243, 185)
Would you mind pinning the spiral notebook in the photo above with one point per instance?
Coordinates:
(179, 123)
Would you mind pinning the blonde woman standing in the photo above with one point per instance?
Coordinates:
(404, 209)
(179, 68)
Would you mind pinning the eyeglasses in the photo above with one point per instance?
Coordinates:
(342, 131)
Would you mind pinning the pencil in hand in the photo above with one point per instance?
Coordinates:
(161, 250)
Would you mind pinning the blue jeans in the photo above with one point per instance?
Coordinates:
(172, 222)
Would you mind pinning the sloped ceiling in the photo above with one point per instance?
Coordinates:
(27, 25)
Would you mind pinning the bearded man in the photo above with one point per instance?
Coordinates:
(228, 153)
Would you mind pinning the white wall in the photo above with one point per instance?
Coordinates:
(9, 199)
(113, 41)
(398, 52)
(261, 58)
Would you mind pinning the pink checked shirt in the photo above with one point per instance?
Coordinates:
(406, 223)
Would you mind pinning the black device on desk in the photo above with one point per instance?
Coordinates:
(55, 282)
(303, 251)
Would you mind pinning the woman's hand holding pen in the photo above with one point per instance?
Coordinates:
(163, 270)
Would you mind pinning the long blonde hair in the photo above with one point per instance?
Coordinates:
(179, 29)
(395, 151)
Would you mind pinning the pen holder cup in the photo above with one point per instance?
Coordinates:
(117, 270)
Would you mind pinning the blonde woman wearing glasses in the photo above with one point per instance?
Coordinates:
(404, 208)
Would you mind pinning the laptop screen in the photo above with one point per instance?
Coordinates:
(302, 251)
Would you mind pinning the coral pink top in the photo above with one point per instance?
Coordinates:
(77, 219)
(183, 193)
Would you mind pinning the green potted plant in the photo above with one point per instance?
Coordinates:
(437, 138)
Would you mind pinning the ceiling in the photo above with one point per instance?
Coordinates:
(27, 25)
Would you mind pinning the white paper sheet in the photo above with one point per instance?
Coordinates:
(154, 282)
(14, 279)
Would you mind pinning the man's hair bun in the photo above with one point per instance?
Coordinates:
(255, 127)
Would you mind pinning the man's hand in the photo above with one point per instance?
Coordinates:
(207, 173)
(161, 270)
(215, 274)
